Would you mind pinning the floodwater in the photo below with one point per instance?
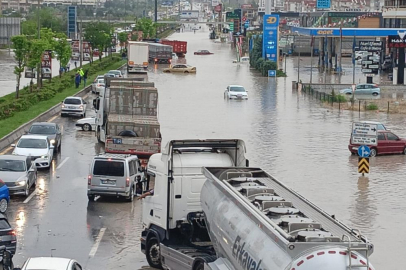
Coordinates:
(289, 135)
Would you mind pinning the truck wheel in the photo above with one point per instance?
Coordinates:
(153, 253)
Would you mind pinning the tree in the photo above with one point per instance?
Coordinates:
(20, 46)
(34, 55)
(49, 18)
(99, 35)
(122, 38)
(29, 28)
(63, 51)
(147, 27)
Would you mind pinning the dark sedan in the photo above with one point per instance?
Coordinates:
(7, 235)
(388, 143)
(203, 52)
(51, 130)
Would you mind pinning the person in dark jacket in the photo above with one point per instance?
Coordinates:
(85, 77)
(77, 79)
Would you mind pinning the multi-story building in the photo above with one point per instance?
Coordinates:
(25, 4)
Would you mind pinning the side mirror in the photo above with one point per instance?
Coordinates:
(51, 147)
(13, 145)
(247, 163)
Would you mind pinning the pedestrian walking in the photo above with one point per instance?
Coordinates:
(76, 64)
(85, 77)
(77, 79)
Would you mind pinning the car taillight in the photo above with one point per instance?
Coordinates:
(127, 182)
(375, 85)
(89, 180)
(12, 232)
(156, 60)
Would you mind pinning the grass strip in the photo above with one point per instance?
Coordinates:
(22, 117)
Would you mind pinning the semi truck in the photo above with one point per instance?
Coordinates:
(179, 47)
(127, 117)
(138, 55)
(210, 210)
(159, 53)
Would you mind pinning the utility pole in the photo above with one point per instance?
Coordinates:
(81, 38)
(156, 17)
(39, 81)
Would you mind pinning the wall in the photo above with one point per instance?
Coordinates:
(9, 27)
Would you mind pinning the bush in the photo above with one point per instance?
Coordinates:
(268, 65)
(372, 107)
(259, 63)
(339, 98)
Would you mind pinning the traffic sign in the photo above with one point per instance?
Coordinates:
(366, 70)
(364, 134)
(364, 151)
(369, 75)
(231, 26)
(244, 19)
(373, 66)
(271, 73)
(363, 165)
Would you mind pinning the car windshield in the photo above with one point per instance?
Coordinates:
(37, 129)
(73, 101)
(101, 81)
(108, 168)
(12, 165)
(32, 143)
(237, 89)
(115, 72)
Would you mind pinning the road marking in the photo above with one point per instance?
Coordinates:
(30, 197)
(53, 118)
(97, 243)
(85, 96)
(63, 162)
(5, 151)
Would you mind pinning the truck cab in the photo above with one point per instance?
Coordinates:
(173, 216)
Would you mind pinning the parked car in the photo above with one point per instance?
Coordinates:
(51, 130)
(244, 59)
(19, 173)
(87, 124)
(74, 106)
(363, 89)
(379, 126)
(236, 92)
(38, 147)
(180, 68)
(8, 236)
(4, 196)
(388, 143)
(51, 263)
(114, 175)
(117, 73)
(202, 52)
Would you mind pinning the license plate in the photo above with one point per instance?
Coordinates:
(108, 182)
(71, 107)
(117, 141)
(355, 148)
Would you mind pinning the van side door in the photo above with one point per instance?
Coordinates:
(133, 172)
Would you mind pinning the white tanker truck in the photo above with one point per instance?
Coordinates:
(227, 216)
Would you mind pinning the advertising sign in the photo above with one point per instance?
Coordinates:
(397, 41)
(72, 29)
(323, 4)
(46, 65)
(370, 46)
(86, 50)
(270, 38)
(113, 44)
(189, 14)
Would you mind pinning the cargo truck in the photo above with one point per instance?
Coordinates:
(127, 117)
(160, 54)
(209, 210)
(138, 55)
(179, 47)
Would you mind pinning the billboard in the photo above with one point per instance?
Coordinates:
(113, 44)
(46, 65)
(398, 41)
(86, 50)
(189, 14)
(323, 4)
(270, 38)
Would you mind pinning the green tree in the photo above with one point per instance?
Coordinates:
(147, 27)
(49, 18)
(34, 55)
(63, 51)
(122, 38)
(20, 46)
(29, 28)
(99, 35)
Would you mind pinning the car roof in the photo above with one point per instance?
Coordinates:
(235, 85)
(44, 263)
(73, 97)
(371, 122)
(34, 137)
(43, 124)
(13, 157)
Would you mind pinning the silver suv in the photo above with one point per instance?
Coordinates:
(74, 106)
(114, 175)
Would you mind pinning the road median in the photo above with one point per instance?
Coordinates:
(12, 127)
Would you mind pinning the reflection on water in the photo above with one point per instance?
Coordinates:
(20, 221)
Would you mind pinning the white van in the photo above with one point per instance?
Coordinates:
(114, 175)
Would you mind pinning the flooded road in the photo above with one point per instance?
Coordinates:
(289, 135)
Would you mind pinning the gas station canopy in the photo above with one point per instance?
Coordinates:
(348, 32)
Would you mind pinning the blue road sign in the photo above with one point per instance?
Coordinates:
(323, 4)
(270, 37)
(271, 73)
(364, 151)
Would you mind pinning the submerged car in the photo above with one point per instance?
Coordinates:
(51, 130)
(244, 59)
(38, 147)
(236, 92)
(202, 52)
(19, 173)
(363, 89)
(388, 143)
(180, 68)
(87, 124)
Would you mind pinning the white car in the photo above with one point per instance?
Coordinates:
(244, 59)
(95, 82)
(117, 73)
(98, 86)
(87, 124)
(38, 147)
(74, 106)
(236, 92)
(51, 263)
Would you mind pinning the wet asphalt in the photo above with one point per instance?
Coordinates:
(289, 135)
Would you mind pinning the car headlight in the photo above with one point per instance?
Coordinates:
(44, 157)
(21, 182)
(63, 106)
(53, 141)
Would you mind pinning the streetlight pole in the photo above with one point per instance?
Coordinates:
(81, 38)
(156, 17)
